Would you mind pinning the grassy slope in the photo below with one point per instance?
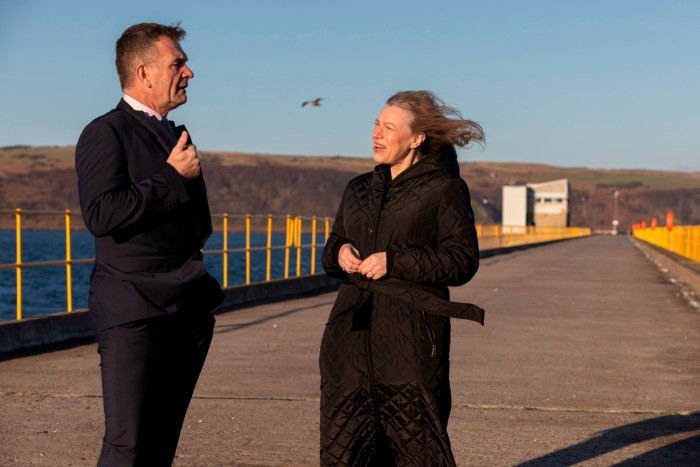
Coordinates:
(43, 178)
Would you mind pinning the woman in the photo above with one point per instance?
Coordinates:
(403, 233)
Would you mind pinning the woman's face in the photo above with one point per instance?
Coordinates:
(394, 141)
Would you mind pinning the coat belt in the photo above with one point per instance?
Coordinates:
(411, 294)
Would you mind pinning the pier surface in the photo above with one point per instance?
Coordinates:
(589, 356)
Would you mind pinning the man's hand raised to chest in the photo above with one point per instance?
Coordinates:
(184, 158)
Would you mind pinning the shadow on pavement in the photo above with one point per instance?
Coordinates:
(680, 453)
(235, 327)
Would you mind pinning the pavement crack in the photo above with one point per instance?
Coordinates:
(99, 396)
(50, 395)
(254, 398)
(570, 409)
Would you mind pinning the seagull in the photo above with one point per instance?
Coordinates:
(314, 103)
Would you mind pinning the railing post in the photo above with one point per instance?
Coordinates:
(268, 263)
(287, 244)
(670, 246)
(69, 266)
(328, 228)
(225, 248)
(298, 242)
(18, 260)
(247, 249)
(313, 245)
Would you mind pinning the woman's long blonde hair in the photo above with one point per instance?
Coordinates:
(442, 125)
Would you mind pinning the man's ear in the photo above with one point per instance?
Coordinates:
(143, 75)
(418, 139)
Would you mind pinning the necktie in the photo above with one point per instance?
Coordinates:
(166, 124)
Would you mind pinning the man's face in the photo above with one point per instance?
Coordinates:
(169, 75)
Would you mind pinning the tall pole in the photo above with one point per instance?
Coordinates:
(615, 223)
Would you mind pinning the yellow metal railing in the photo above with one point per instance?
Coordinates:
(497, 236)
(490, 237)
(683, 240)
(19, 265)
(294, 230)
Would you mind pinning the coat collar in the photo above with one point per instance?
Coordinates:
(444, 160)
(153, 126)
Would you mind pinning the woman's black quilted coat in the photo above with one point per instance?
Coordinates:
(385, 393)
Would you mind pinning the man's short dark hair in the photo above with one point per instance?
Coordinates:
(137, 42)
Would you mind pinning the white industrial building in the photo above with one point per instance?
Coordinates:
(543, 204)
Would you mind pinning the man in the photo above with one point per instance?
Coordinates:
(143, 198)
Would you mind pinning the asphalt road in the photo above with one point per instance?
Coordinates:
(589, 356)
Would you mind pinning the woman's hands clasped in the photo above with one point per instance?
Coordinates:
(349, 258)
(373, 267)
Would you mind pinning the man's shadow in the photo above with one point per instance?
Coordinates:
(681, 453)
(238, 326)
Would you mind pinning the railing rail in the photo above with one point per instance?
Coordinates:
(683, 240)
(490, 237)
(503, 236)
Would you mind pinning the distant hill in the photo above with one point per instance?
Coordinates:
(43, 178)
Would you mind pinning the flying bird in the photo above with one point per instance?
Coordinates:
(314, 103)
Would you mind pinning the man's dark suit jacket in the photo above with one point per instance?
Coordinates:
(149, 224)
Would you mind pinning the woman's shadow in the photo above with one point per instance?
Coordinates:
(685, 452)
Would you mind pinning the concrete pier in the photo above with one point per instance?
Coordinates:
(590, 356)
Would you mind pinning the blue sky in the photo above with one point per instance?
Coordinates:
(600, 84)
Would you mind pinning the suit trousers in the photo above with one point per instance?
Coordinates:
(149, 371)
